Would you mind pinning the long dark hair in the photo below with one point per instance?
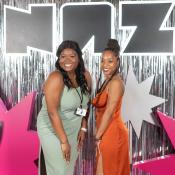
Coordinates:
(79, 71)
(113, 46)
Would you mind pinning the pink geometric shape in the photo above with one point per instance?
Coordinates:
(169, 126)
(19, 146)
(2, 107)
(164, 165)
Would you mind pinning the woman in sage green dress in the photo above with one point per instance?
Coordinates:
(62, 121)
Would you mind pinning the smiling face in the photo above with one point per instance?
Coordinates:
(109, 63)
(68, 60)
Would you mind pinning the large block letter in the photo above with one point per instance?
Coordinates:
(148, 21)
(82, 20)
(33, 28)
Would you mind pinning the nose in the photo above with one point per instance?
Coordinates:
(105, 65)
(68, 59)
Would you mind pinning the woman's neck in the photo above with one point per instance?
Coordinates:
(71, 75)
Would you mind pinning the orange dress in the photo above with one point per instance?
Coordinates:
(114, 147)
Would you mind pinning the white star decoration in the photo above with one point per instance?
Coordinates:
(137, 102)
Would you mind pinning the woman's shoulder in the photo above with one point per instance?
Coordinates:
(55, 75)
(54, 83)
(55, 79)
(116, 83)
(117, 79)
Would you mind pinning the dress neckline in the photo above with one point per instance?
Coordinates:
(72, 87)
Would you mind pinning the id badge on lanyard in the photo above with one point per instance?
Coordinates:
(80, 111)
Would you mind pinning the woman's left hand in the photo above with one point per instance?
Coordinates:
(80, 139)
(98, 147)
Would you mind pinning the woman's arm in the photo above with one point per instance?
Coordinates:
(115, 91)
(53, 88)
(83, 129)
(89, 82)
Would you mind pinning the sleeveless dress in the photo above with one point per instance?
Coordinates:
(114, 147)
(50, 144)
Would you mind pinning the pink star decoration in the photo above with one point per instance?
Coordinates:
(169, 126)
(164, 165)
(19, 146)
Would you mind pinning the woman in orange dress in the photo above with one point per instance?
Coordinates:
(111, 134)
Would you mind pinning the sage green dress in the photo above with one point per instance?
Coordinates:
(55, 164)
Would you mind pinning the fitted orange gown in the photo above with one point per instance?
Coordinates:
(114, 147)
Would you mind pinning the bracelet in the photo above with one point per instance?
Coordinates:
(98, 139)
(62, 143)
(83, 129)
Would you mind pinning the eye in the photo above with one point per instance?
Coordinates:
(62, 56)
(110, 60)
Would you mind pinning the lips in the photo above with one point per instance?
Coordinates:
(105, 70)
(67, 65)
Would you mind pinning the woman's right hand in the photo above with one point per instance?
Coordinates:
(66, 150)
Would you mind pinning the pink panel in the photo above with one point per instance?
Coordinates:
(169, 125)
(2, 107)
(164, 165)
(19, 146)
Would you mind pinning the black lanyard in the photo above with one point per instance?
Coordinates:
(80, 96)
